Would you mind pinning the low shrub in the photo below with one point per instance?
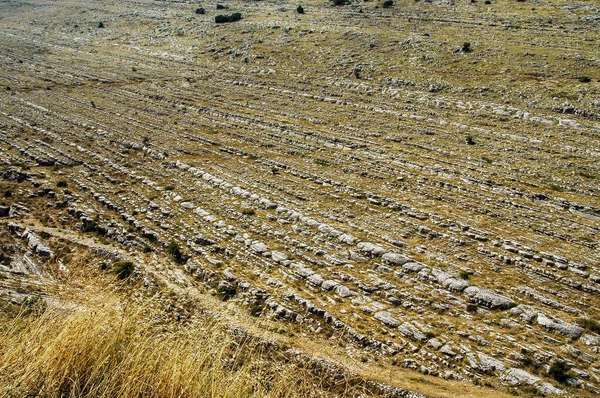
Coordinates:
(236, 16)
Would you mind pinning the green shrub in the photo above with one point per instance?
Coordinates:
(559, 370)
(584, 79)
(123, 269)
(61, 184)
(200, 11)
(388, 3)
(236, 16)
(248, 212)
(340, 2)
(300, 10)
(226, 291)
(589, 324)
(175, 251)
(221, 7)
(101, 24)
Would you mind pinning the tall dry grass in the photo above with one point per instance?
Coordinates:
(101, 349)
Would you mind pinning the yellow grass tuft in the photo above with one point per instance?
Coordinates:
(100, 349)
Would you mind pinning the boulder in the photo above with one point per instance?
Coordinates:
(518, 377)
(411, 331)
(557, 326)
(395, 259)
(259, 247)
(413, 267)
(489, 298)
(386, 318)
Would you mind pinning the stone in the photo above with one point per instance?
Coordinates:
(259, 247)
(386, 318)
(447, 349)
(455, 285)
(488, 364)
(413, 267)
(329, 284)
(395, 259)
(305, 272)
(343, 291)
(590, 339)
(315, 279)
(371, 248)
(278, 256)
(557, 326)
(347, 239)
(409, 330)
(518, 377)
(187, 205)
(549, 389)
(435, 343)
(525, 312)
(489, 298)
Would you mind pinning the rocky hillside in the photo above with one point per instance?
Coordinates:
(413, 188)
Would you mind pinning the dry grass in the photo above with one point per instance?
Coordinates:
(102, 349)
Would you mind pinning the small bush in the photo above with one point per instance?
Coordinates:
(465, 275)
(256, 309)
(200, 11)
(100, 24)
(488, 2)
(236, 16)
(388, 4)
(248, 212)
(466, 47)
(469, 140)
(226, 291)
(559, 370)
(589, 324)
(221, 7)
(61, 184)
(340, 2)
(472, 308)
(584, 79)
(300, 10)
(123, 269)
(174, 250)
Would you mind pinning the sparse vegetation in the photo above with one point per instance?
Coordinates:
(200, 11)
